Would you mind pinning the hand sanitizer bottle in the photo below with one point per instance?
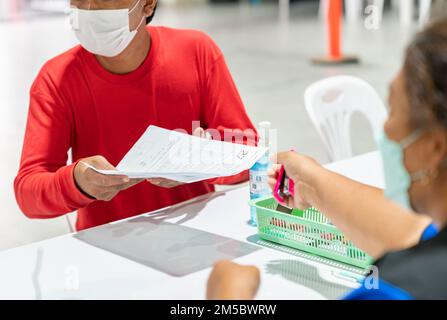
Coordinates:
(258, 173)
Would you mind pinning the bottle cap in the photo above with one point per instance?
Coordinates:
(264, 130)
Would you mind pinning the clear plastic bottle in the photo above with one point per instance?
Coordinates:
(258, 173)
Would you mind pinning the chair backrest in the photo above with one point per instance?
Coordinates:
(330, 104)
(424, 12)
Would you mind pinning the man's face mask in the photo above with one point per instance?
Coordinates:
(397, 178)
(104, 32)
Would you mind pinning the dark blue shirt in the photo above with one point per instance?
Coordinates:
(385, 290)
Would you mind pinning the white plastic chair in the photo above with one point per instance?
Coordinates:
(330, 104)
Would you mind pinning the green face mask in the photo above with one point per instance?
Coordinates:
(397, 178)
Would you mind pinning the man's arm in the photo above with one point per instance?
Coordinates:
(45, 186)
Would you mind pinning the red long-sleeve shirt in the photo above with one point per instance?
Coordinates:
(77, 104)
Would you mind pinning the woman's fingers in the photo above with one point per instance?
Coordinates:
(284, 157)
(301, 170)
(299, 200)
(273, 175)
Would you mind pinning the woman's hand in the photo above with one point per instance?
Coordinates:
(302, 170)
(230, 281)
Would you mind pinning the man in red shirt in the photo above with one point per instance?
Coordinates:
(99, 98)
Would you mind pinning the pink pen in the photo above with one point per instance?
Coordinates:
(285, 187)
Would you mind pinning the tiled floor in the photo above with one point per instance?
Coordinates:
(269, 61)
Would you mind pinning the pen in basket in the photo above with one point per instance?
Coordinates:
(283, 209)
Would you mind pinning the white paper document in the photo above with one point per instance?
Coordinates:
(162, 153)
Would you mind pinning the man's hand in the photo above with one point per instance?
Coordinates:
(230, 281)
(100, 186)
(300, 169)
(166, 183)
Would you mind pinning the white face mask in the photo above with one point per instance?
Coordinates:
(103, 32)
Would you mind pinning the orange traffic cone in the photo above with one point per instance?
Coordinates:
(335, 56)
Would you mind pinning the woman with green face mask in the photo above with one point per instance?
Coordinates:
(399, 225)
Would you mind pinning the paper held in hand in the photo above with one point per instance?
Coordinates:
(162, 153)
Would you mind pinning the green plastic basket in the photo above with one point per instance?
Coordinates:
(306, 230)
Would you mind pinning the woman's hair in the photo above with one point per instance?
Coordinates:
(425, 72)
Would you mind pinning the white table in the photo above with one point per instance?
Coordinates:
(65, 267)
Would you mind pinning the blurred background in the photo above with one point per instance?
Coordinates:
(268, 46)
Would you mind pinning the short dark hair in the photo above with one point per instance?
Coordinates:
(149, 19)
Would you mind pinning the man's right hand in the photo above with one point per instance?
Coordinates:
(100, 186)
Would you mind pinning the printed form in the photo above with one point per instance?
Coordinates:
(162, 153)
